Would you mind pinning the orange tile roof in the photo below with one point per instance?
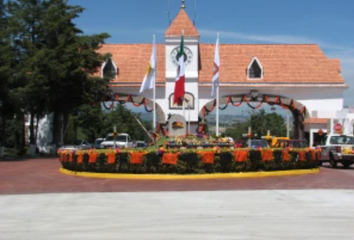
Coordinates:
(132, 61)
(293, 63)
(336, 63)
(316, 120)
(305, 63)
(182, 22)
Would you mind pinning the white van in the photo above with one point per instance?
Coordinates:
(123, 140)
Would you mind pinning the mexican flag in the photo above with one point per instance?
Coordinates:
(179, 86)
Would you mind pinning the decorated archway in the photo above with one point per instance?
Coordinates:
(137, 101)
(255, 101)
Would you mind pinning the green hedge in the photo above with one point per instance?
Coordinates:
(189, 162)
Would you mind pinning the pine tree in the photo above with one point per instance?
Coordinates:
(6, 57)
(25, 23)
(71, 60)
(56, 61)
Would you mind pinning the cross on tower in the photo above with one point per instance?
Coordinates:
(183, 5)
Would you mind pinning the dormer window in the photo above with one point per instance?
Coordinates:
(255, 69)
(109, 70)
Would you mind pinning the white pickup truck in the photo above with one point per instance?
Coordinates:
(337, 148)
(123, 140)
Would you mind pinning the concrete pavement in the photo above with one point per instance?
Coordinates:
(265, 214)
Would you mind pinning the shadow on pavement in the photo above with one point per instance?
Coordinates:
(26, 158)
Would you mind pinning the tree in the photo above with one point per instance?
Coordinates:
(238, 129)
(56, 61)
(6, 58)
(25, 25)
(125, 122)
(71, 59)
(91, 120)
(260, 122)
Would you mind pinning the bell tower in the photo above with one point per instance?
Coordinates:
(183, 24)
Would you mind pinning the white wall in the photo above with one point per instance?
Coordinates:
(192, 68)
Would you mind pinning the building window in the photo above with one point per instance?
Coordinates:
(255, 69)
(109, 70)
(188, 103)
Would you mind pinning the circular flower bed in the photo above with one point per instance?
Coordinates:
(189, 161)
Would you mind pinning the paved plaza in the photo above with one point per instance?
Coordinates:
(275, 214)
(38, 202)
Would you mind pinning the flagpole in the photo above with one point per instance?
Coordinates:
(154, 90)
(183, 107)
(217, 104)
(189, 119)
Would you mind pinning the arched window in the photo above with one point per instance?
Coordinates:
(255, 69)
(188, 103)
(109, 69)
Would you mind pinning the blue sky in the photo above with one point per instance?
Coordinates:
(328, 23)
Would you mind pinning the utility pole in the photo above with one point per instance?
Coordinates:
(114, 137)
(287, 124)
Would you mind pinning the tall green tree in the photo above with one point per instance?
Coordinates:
(57, 61)
(71, 61)
(6, 58)
(26, 29)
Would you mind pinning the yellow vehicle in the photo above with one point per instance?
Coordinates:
(275, 141)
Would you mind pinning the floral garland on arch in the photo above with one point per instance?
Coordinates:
(265, 99)
(128, 99)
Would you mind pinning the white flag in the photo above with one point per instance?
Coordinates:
(149, 79)
(216, 68)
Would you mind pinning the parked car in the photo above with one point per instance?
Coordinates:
(258, 143)
(123, 140)
(98, 142)
(140, 144)
(291, 143)
(239, 143)
(76, 145)
(337, 148)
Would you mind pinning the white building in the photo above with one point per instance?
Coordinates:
(298, 76)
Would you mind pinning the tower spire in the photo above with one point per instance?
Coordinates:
(183, 6)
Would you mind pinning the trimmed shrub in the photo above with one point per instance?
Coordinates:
(188, 162)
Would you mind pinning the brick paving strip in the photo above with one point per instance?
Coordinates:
(28, 176)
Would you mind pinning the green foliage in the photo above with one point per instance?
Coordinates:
(6, 71)
(124, 121)
(260, 122)
(55, 60)
(91, 120)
